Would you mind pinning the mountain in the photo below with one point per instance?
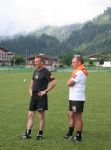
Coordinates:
(33, 45)
(91, 37)
(62, 33)
(105, 18)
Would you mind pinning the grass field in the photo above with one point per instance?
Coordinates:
(14, 100)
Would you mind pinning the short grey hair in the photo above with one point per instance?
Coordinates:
(79, 58)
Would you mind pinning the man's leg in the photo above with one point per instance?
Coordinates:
(41, 117)
(71, 118)
(30, 122)
(79, 124)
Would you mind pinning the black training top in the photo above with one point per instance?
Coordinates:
(41, 79)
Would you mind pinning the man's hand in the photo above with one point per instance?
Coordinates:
(70, 82)
(51, 85)
(41, 93)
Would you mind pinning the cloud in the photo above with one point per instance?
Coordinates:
(26, 15)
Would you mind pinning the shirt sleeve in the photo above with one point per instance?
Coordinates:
(49, 76)
(76, 77)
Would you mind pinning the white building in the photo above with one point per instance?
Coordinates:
(107, 64)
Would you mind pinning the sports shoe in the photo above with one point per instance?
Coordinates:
(26, 136)
(68, 137)
(77, 139)
(39, 137)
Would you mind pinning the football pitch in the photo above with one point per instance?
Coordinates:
(14, 101)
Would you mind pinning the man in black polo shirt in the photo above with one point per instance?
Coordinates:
(42, 82)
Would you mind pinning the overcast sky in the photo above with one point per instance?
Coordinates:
(26, 15)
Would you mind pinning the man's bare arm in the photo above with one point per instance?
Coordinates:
(30, 88)
(51, 85)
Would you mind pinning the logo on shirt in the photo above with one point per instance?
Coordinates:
(36, 75)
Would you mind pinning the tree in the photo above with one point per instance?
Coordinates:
(101, 61)
(18, 60)
(90, 62)
(66, 58)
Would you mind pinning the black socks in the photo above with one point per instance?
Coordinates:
(70, 132)
(28, 131)
(40, 132)
(78, 134)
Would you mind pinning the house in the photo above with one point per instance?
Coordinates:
(5, 56)
(50, 63)
(96, 56)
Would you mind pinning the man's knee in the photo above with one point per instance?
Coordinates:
(71, 114)
(41, 115)
(79, 116)
(31, 114)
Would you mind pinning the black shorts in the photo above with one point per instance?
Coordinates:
(38, 103)
(76, 106)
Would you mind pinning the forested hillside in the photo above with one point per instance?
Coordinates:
(94, 36)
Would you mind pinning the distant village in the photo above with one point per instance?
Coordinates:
(6, 56)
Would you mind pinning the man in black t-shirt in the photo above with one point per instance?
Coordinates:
(42, 82)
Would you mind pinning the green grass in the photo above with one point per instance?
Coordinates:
(14, 100)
